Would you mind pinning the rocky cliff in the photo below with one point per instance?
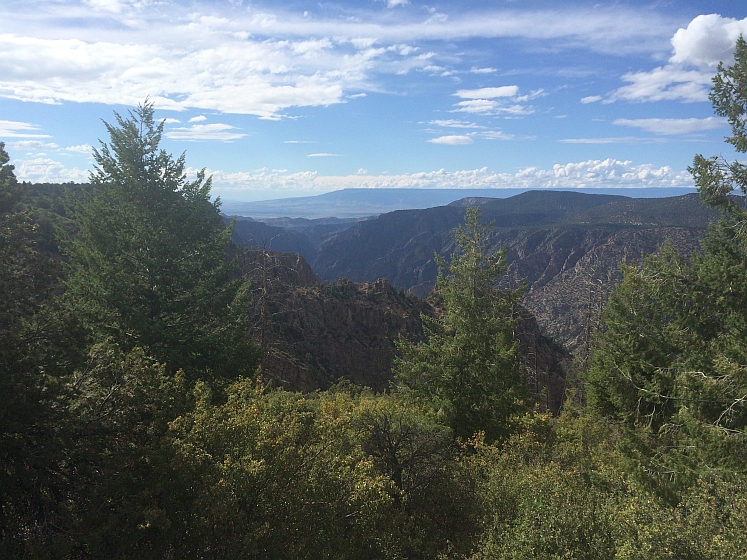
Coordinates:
(315, 334)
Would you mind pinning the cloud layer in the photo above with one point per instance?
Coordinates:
(255, 61)
(608, 173)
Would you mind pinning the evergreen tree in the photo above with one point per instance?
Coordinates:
(672, 363)
(39, 344)
(149, 262)
(468, 367)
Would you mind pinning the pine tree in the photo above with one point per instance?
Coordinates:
(149, 262)
(468, 367)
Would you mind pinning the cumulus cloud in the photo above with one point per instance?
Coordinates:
(216, 131)
(673, 126)
(45, 170)
(80, 149)
(696, 51)
(393, 3)
(707, 40)
(454, 140)
(609, 173)
(198, 118)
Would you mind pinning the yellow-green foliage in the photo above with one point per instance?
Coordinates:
(563, 492)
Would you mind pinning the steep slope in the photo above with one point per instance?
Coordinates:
(314, 334)
(566, 246)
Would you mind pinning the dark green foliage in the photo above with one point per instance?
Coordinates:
(39, 342)
(435, 506)
(123, 493)
(113, 443)
(672, 363)
(149, 265)
(468, 368)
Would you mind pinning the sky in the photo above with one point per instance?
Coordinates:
(291, 98)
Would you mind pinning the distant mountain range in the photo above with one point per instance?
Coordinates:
(359, 203)
(566, 246)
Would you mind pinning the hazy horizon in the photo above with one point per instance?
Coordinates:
(289, 99)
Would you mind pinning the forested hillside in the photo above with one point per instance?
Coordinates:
(143, 412)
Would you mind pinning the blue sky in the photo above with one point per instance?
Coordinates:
(282, 99)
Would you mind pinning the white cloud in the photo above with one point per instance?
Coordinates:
(30, 145)
(474, 70)
(491, 107)
(261, 61)
(15, 129)
(171, 120)
(45, 170)
(591, 99)
(696, 51)
(323, 154)
(451, 123)
(454, 140)
(488, 92)
(707, 40)
(531, 95)
(216, 131)
(115, 6)
(495, 101)
(393, 3)
(673, 126)
(495, 135)
(80, 149)
(198, 118)
(477, 106)
(666, 83)
(610, 173)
